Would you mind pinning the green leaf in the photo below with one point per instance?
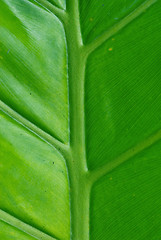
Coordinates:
(80, 119)
(123, 87)
(59, 3)
(30, 64)
(97, 16)
(10, 232)
(33, 180)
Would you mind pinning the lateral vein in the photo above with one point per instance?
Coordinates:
(37, 234)
(60, 13)
(117, 27)
(61, 147)
(98, 173)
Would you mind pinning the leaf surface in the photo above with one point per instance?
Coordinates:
(97, 16)
(10, 232)
(123, 90)
(34, 180)
(126, 202)
(30, 64)
(80, 120)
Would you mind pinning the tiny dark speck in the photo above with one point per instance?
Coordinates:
(53, 162)
(103, 5)
(30, 93)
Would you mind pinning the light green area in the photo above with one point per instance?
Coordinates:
(59, 3)
(33, 66)
(125, 204)
(123, 89)
(34, 182)
(46, 188)
(8, 232)
(98, 16)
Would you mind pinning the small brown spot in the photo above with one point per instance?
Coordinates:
(110, 49)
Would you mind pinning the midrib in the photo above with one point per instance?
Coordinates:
(79, 194)
(79, 176)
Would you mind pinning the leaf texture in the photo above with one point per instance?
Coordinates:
(29, 64)
(80, 120)
(34, 180)
(126, 202)
(59, 3)
(97, 16)
(10, 232)
(123, 90)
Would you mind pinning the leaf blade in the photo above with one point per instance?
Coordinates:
(126, 202)
(36, 180)
(32, 68)
(119, 112)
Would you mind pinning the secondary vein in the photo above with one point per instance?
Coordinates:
(98, 173)
(37, 234)
(60, 13)
(117, 27)
(61, 147)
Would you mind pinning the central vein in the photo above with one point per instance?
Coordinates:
(77, 164)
